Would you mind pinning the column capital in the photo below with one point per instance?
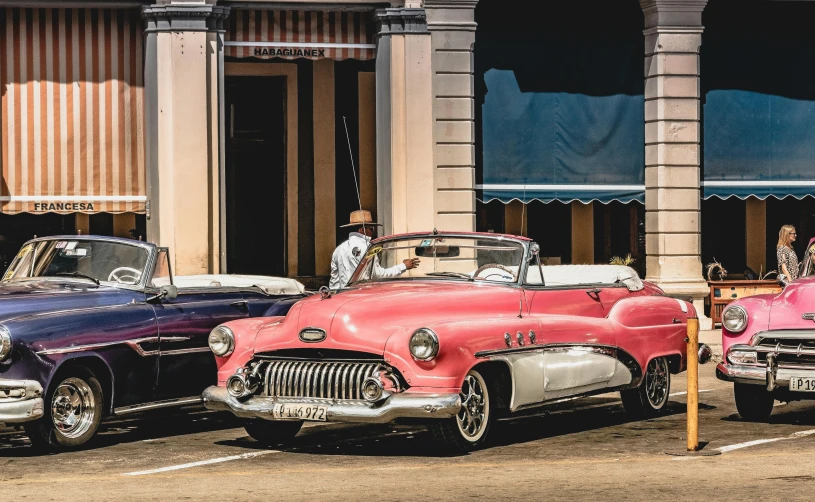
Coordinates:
(451, 15)
(684, 15)
(184, 17)
(401, 21)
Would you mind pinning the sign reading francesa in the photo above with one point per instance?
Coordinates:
(63, 206)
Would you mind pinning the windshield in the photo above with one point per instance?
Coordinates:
(97, 261)
(468, 258)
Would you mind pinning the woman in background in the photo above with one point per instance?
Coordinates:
(787, 259)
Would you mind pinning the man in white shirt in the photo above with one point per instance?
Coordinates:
(347, 256)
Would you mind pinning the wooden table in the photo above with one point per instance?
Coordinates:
(724, 292)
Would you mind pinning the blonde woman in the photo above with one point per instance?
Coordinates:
(787, 259)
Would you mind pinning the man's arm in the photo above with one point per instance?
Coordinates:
(395, 270)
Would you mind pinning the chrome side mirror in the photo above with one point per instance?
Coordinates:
(782, 280)
(169, 292)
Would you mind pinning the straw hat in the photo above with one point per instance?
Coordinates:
(360, 218)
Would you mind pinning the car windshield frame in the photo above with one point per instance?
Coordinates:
(522, 266)
(146, 274)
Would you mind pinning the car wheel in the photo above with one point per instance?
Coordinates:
(468, 429)
(73, 410)
(650, 398)
(270, 433)
(753, 402)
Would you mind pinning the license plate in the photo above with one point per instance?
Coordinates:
(800, 384)
(299, 412)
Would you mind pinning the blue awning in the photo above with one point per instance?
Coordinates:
(564, 125)
(758, 145)
(563, 193)
(759, 101)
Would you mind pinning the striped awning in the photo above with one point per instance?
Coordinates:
(72, 111)
(299, 34)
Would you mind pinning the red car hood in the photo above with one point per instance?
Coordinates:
(363, 318)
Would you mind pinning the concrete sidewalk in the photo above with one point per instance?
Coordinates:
(712, 338)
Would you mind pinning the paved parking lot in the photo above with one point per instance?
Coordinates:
(584, 448)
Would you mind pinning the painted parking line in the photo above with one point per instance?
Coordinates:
(200, 463)
(756, 442)
(685, 392)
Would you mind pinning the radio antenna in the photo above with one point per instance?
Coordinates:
(353, 166)
(523, 211)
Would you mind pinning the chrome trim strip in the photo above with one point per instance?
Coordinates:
(554, 347)
(133, 344)
(194, 350)
(174, 338)
(157, 405)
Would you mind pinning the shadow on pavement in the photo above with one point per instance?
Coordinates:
(795, 413)
(154, 426)
(414, 440)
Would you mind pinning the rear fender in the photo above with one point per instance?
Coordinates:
(653, 326)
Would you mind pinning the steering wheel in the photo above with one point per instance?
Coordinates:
(125, 275)
(493, 265)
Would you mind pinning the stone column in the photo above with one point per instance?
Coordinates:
(673, 35)
(182, 124)
(452, 27)
(404, 122)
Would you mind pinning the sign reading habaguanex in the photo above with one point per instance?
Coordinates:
(63, 206)
(302, 53)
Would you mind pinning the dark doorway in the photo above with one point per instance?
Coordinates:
(256, 175)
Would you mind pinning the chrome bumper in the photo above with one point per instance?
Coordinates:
(20, 401)
(771, 375)
(387, 410)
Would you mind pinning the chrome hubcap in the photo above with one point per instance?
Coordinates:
(656, 382)
(474, 408)
(73, 408)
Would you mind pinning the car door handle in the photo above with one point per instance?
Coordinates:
(595, 291)
(240, 304)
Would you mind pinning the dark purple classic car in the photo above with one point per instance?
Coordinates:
(97, 326)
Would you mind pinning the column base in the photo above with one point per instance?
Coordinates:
(694, 291)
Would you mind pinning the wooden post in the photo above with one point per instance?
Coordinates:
(693, 384)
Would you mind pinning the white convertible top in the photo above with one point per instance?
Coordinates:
(569, 275)
(270, 285)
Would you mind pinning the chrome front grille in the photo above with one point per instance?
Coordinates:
(317, 379)
(788, 349)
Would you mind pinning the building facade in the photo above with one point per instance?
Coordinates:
(239, 134)
(242, 133)
(677, 131)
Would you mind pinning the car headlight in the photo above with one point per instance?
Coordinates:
(424, 344)
(734, 319)
(5, 343)
(221, 341)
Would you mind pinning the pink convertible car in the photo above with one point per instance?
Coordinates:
(769, 346)
(480, 330)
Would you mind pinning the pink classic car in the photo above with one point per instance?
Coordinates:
(769, 347)
(479, 330)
